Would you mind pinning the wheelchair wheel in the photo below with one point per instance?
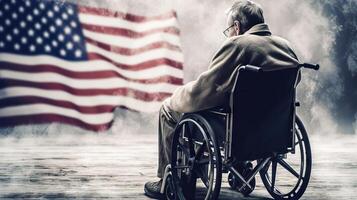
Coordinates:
(196, 160)
(287, 176)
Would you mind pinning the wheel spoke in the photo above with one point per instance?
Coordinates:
(288, 167)
(200, 150)
(201, 174)
(299, 141)
(273, 174)
(182, 167)
(184, 150)
(203, 161)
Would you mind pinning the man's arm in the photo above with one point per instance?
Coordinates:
(209, 89)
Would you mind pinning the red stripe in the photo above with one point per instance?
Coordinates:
(26, 100)
(127, 32)
(130, 52)
(140, 66)
(87, 75)
(144, 96)
(125, 16)
(50, 118)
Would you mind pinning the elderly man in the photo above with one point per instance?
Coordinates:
(249, 42)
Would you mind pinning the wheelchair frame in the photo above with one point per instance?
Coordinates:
(227, 158)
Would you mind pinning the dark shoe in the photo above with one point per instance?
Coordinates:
(152, 190)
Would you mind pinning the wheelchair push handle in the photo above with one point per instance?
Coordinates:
(310, 66)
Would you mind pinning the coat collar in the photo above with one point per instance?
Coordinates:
(259, 29)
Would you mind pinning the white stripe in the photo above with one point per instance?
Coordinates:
(50, 109)
(91, 66)
(131, 43)
(106, 83)
(97, 100)
(137, 59)
(121, 23)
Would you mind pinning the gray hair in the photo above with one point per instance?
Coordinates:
(247, 12)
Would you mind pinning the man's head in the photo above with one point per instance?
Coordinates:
(242, 16)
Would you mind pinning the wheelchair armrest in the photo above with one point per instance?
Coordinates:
(220, 109)
(251, 68)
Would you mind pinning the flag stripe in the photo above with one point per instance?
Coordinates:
(95, 119)
(123, 23)
(127, 51)
(129, 33)
(127, 16)
(140, 66)
(137, 59)
(131, 43)
(81, 97)
(86, 74)
(48, 118)
(156, 70)
(108, 83)
(28, 100)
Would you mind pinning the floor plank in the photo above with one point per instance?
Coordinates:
(111, 166)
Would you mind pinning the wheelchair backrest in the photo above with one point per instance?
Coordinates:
(263, 113)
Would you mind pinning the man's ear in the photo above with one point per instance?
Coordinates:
(237, 27)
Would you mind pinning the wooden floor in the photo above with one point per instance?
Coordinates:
(112, 166)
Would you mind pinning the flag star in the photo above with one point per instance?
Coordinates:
(32, 48)
(31, 32)
(36, 12)
(78, 53)
(64, 16)
(56, 8)
(39, 40)
(13, 1)
(42, 6)
(47, 48)
(7, 7)
(58, 22)
(1, 29)
(69, 45)
(62, 52)
(16, 31)
(17, 46)
(44, 20)
(29, 18)
(28, 3)
(67, 30)
(76, 38)
(24, 40)
(54, 43)
(0, 13)
(60, 37)
(21, 9)
(52, 28)
(7, 22)
(46, 34)
(8, 38)
(38, 26)
(50, 13)
(2, 44)
(70, 11)
(22, 24)
(14, 15)
(73, 24)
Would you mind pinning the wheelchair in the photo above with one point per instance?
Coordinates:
(259, 132)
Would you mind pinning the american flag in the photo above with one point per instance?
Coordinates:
(63, 62)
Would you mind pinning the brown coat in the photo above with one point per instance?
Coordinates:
(256, 47)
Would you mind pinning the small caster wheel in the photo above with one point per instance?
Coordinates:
(232, 181)
(169, 189)
(246, 190)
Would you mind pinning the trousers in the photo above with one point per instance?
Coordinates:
(167, 123)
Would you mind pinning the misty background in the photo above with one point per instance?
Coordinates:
(320, 31)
